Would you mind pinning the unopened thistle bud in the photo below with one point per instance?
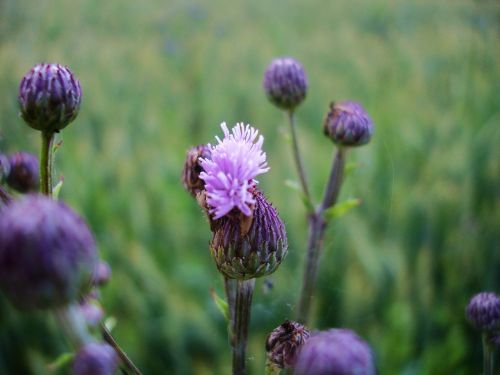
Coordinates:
(102, 273)
(192, 169)
(49, 97)
(284, 342)
(285, 83)
(335, 352)
(24, 175)
(95, 359)
(47, 253)
(348, 124)
(483, 311)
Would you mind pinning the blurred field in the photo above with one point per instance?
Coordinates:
(159, 76)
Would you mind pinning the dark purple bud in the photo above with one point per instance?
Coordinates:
(95, 359)
(102, 273)
(483, 311)
(49, 97)
(348, 124)
(335, 352)
(247, 247)
(47, 253)
(192, 169)
(4, 167)
(24, 175)
(285, 83)
(284, 342)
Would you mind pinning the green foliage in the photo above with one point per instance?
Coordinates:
(158, 77)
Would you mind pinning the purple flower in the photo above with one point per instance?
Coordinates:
(24, 174)
(47, 253)
(348, 124)
(283, 343)
(229, 173)
(335, 352)
(483, 311)
(95, 359)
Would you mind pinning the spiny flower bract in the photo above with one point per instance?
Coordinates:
(229, 174)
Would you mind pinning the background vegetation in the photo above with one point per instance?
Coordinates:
(159, 76)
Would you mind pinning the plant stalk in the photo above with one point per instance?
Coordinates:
(123, 356)
(244, 293)
(317, 226)
(46, 163)
(487, 355)
(231, 286)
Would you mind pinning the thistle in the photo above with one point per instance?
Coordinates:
(335, 352)
(95, 359)
(47, 254)
(284, 342)
(285, 83)
(348, 124)
(24, 172)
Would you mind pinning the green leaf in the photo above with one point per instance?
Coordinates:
(295, 186)
(351, 167)
(340, 209)
(60, 361)
(221, 304)
(57, 189)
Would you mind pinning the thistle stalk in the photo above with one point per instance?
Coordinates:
(487, 355)
(46, 162)
(243, 302)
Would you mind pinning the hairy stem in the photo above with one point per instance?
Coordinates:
(231, 286)
(317, 226)
(244, 292)
(298, 160)
(46, 163)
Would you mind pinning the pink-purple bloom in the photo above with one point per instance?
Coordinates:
(230, 173)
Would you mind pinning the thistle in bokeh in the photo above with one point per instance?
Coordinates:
(284, 342)
(348, 124)
(49, 97)
(335, 352)
(285, 83)
(95, 359)
(24, 172)
(47, 253)
(483, 311)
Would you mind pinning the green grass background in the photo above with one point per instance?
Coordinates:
(159, 76)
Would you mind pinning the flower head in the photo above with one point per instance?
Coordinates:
(483, 311)
(95, 359)
(230, 172)
(283, 343)
(285, 82)
(24, 174)
(335, 352)
(348, 124)
(49, 97)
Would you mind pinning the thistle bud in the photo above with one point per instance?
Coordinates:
(102, 273)
(483, 311)
(24, 174)
(335, 352)
(192, 169)
(4, 167)
(348, 124)
(49, 97)
(285, 83)
(244, 248)
(91, 311)
(95, 359)
(284, 342)
(47, 253)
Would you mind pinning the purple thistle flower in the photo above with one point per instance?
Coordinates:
(47, 253)
(335, 352)
(24, 174)
(229, 174)
(283, 343)
(483, 311)
(348, 124)
(95, 359)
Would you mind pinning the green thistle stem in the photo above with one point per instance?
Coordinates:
(317, 226)
(123, 356)
(46, 163)
(244, 293)
(487, 355)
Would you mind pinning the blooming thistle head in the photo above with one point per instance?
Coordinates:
(285, 83)
(24, 172)
(192, 169)
(335, 352)
(483, 311)
(47, 253)
(49, 97)
(230, 172)
(95, 359)
(284, 342)
(348, 124)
